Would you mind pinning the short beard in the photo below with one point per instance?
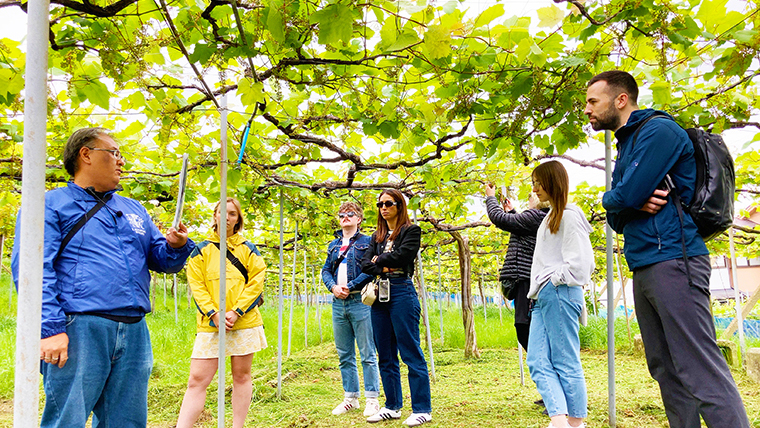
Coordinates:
(608, 120)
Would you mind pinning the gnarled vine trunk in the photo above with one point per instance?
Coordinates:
(468, 317)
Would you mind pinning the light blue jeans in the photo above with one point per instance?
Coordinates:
(352, 324)
(554, 350)
(106, 374)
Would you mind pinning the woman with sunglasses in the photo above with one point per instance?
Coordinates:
(562, 264)
(396, 312)
(352, 326)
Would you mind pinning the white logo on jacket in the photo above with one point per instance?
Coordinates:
(136, 222)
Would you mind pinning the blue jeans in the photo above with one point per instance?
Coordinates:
(554, 350)
(352, 323)
(106, 374)
(396, 325)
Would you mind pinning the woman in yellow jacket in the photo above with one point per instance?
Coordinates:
(241, 317)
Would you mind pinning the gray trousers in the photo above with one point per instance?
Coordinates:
(681, 350)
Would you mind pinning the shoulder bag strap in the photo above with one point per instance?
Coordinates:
(81, 222)
(235, 262)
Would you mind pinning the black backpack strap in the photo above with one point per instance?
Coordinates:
(673, 192)
(677, 200)
(81, 222)
(641, 125)
(235, 262)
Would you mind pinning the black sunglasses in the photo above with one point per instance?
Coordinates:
(387, 204)
(349, 214)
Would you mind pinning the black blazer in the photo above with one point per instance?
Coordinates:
(402, 255)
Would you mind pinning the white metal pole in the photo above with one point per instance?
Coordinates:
(306, 305)
(522, 368)
(483, 289)
(440, 290)
(29, 310)
(280, 307)
(10, 283)
(498, 292)
(189, 292)
(737, 301)
(423, 293)
(176, 318)
(315, 283)
(292, 287)
(164, 291)
(221, 370)
(610, 292)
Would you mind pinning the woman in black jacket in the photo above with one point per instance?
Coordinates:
(522, 241)
(396, 312)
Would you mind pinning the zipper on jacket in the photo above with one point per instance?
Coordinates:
(657, 233)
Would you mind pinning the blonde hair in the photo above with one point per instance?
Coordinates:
(239, 225)
(351, 206)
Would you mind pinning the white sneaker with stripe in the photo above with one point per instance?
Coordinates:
(416, 419)
(384, 415)
(346, 405)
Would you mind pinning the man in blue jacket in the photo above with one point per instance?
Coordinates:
(95, 348)
(674, 316)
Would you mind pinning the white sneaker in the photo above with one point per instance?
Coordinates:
(346, 405)
(416, 419)
(384, 415)
(371, 407)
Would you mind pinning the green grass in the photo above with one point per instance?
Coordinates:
(486, 392)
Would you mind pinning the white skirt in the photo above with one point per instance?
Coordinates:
(237, 342)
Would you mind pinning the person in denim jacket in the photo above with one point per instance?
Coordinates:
(343, 276)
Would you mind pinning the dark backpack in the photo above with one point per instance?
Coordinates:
(712, 207)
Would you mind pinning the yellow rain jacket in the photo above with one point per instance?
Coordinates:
(203, 276)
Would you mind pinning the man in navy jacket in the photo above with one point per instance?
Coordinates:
(674, 316)
(95, 348)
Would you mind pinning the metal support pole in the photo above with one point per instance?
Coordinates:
(306, 305)
(280, 308)
(292, 287)
(318, 303)
(29, 311)
(610, 291)
(498, 293)
(423, 293)
(440, 291)
(10, 283)
(737, 301)
(221, 370)
(176, 317)
(522, 368)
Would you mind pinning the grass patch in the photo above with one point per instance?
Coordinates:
(485, 392)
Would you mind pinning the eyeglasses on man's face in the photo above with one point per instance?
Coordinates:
(349, 214)
(387, 204)
(115, 152)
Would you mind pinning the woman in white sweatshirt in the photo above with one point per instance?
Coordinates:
(562, 265)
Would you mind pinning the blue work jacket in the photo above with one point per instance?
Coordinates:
(104, 268)
(356, 278)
